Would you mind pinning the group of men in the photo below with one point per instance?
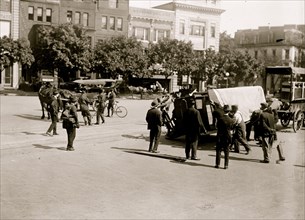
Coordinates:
(69, 113)
(231, 130)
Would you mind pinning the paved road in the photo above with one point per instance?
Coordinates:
(111, 176)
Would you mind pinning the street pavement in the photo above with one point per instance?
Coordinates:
(110, 175)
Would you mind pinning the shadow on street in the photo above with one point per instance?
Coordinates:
(48, 147)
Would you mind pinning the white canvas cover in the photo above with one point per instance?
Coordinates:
(247, 98)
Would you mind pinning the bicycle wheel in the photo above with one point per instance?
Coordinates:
(121, 111)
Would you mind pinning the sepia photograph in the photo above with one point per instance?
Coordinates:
(152, 109)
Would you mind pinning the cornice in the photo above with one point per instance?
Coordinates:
(198, 8)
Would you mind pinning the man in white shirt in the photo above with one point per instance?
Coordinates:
(239, 135)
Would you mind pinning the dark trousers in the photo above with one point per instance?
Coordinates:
(239, 137)
(71, 132)
(154, 138)
(110, 108)
(267, 143)
(100, 115)
(87, 116)
(191, 144)
(225, 148)
(53, 126)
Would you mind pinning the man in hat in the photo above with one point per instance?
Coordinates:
(154, 123)
(267, 131)
(225, 124)
(239, 135)
(193, 127)
(111, 99)
(53, 109)
(70, 121)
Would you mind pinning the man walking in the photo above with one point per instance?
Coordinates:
(101, 99)
(267, 132)
(111, 97)
(193, 127)
(154, 121)
(53, 110)
(225, 125)
(84, 107)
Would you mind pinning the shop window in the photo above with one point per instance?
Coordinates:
(31, 13)
(49, 15)
(141, 33)
(39, 14)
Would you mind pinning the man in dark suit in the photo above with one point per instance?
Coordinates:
(225, 124)
(101, 103)
(193, 127)
(267, 131)
(154, 121)
(70, 121)
(53, 109)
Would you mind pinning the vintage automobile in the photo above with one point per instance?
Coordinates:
(248, 100)
(287, 84)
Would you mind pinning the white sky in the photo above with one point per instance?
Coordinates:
(249, 14)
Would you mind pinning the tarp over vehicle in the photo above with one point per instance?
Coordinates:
(247, 98)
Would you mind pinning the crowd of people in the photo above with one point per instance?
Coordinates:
(232, 130)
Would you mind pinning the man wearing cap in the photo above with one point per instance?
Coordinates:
(53, 109)
(267, 131)
(154, 123)
(193, 127)
(239, 130)
(225, 124)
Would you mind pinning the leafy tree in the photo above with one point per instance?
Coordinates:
(15, 51)
(226, 43)
(173, 55)
(209, 65)
(244, 68)
(66, 47)
(120, 56)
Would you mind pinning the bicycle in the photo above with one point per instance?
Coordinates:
(120, 111)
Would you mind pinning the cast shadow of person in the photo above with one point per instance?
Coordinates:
(48, 147)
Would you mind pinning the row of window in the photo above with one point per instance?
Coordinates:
(144, 34)
(40, 14)
(264, 53)
(79, 18)
(197, 30)
(112, 23)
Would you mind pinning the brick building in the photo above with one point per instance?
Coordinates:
(9, 26)
(279, 45)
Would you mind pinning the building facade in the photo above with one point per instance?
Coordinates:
(186, 20)
(9, 26)
(276, 46)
